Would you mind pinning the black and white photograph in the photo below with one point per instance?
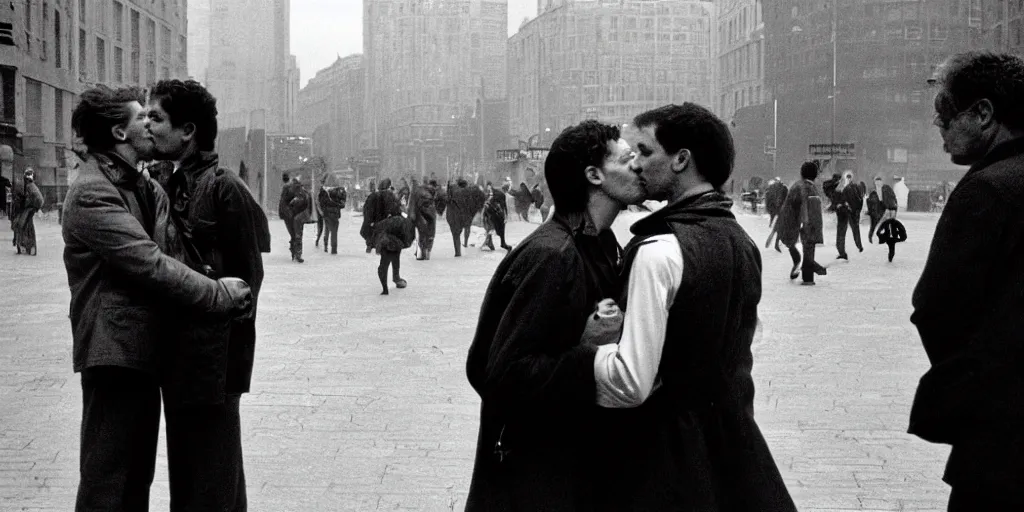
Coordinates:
(512, 255)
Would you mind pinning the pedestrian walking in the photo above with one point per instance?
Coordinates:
(207, 365)
(848, 202)
(494, 214)
(969, 299)
(902, 192)
(332, 202)
(876, 208)
(537, 433)
(301, 208)
(774, 198)
(392, 232)
(5, 189)
(522, 199)
(890, 233)
(463, 204)
(370, 207)
(423, 214)
(693, 284)
(24, 224)
(123, 287)
(284, 210)
(800, 221)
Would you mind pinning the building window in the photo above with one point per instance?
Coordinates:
(83, 47)
(58, 114)
(101, 60)
(57, 40)
(118, 22)
(182, 49)
(33, 107)
(81, 11)
(118, 65)
(165, 41)
(136, 57)
(165, 73)
(43, 55)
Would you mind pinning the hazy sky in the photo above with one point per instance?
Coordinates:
(324, 29)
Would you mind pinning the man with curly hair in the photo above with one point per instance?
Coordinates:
(222, 231)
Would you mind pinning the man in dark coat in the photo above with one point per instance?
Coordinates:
(332, 202)
(207, 366)
(848, 203)
(423, 214)
(370, 205)
(463, 204)
(24, 226)
(5, 185)
(969, 299)
(774, 198)
(495, 213)
(800, 221)
(122, 283)
(527, 362)
(693, 286)
(301, 208)
(284, 211)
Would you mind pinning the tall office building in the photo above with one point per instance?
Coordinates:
(609, 61)
(331, 110)
(251, 70)
(740, 53)
(435, 83)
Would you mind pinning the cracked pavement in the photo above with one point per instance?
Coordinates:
(360, 401)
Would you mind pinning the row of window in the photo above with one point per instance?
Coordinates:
(738, 26)
(97, 19)
(740, 98)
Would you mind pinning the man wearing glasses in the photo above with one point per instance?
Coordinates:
(969, 302)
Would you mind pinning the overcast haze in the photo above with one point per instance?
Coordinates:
(322, 30)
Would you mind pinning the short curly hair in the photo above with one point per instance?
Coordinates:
(189, 102)
(998, 77)
(99, 110)
(695, 128)
(575, 149)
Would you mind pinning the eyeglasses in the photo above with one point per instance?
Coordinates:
(942, 122)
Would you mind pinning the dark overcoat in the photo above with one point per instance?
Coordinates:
(694, 444)
(534, 376)
(800, 219)
(463, 205)
(967, 309)
(221, 231)
(775, 197)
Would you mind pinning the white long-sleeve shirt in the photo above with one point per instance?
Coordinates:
(626, 373)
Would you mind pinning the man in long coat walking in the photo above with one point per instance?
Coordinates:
(423, 214)
(800, 221)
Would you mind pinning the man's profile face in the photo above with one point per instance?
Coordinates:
(135, 132)
(621, 182)
(961, 132)
(653, 164)
(169, 142)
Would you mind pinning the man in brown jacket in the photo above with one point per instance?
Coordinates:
(115, 231)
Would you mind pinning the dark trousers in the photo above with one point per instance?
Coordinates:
(392, 259)
(809, 265)
(120, 428)
(296, 234)
(204, 457)
(875, 220)
(426, 230)
(961, 500)
(289, 224)
(457, 233)
(331, 234)
(847, 218)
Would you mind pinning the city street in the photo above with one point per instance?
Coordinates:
(360, 401)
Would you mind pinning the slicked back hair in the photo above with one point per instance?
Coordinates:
(99, 110)
(693, 127)
(998, 77)
(575, 149)
(189, 102)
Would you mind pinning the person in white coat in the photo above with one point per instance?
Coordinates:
(902, 192)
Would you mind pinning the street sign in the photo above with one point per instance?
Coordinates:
(840, 150)
(769, 150)
(508, 155)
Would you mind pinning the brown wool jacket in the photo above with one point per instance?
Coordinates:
(114, 224)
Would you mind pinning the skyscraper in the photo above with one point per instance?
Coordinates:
(435, 78)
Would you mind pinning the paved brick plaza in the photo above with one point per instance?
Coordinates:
(360, 401)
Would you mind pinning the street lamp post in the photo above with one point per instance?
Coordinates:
(835, 21)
